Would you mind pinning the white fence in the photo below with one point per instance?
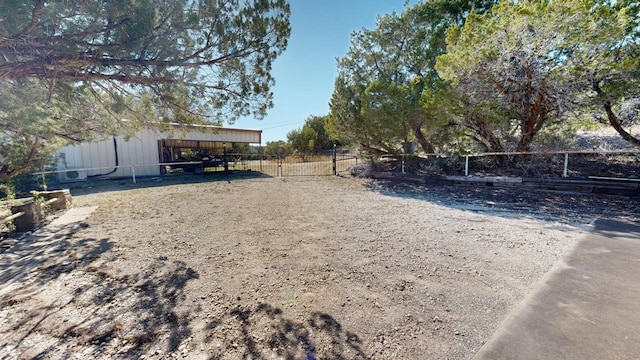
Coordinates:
(605, 165)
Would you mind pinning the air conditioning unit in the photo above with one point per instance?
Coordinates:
(73, 175)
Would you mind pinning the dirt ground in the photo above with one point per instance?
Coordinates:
(289, 268)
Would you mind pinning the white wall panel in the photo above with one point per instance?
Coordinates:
(70, 157)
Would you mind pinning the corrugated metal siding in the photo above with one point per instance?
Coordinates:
(70, 157)
(141, 150)
(102, 156)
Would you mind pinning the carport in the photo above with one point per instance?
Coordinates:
(146, 152)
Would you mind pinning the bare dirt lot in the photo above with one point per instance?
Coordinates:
(289, 268)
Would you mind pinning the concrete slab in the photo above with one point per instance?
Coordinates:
(586, 307)
(72, 215)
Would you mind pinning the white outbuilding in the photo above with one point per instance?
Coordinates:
(147, 152)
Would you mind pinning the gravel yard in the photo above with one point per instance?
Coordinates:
(290, 268)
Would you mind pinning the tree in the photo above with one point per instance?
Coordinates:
(522, 66)
(323, 141)
(33, 124)
(25, 126)
(311, 138)
(610, 71)
(241, 148)
(278, 149)
(394, 64)
(463, 126)
(166, 60)
(302, 141)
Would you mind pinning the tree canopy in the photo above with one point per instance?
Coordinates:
(508, 75)
(210, 57)
(278, 149)
(377, 96)
(311, 138)
(302, 141)
(530, 63)
(166, 60)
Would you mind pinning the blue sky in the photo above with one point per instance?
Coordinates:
(306, 71)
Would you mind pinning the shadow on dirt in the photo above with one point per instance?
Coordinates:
(57, 295)
(65, 296)
(563, 207)
(140, 308)
(263, 332)
(42, 249)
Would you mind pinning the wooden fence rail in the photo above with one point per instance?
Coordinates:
(11, 217)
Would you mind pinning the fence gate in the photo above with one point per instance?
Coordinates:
(332, 163)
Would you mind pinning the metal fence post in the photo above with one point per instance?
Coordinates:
(466, 165)
(566, 165)
(44, 182)
(335, 160)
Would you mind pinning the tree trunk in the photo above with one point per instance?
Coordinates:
(524, 145)
(374, 151)
(426, 146)
(615, 122)
(7, 171)
(613, 119)
(492, 142)
(533, 125)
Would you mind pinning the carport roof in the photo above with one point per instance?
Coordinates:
(205, 126)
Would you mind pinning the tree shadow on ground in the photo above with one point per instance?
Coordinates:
(45, 247)
(66, 296)
(58, 300)
(141, 308)
(563, 207)
(264, 332)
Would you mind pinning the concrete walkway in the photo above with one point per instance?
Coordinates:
(586, 307)
(32, 250)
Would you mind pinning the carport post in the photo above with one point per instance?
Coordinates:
(224, 158)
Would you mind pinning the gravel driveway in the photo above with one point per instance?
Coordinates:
(291, 268)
